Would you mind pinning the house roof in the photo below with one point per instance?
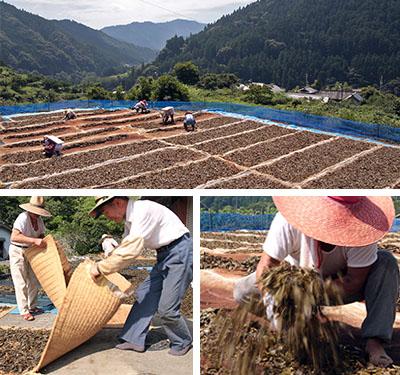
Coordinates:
(308, 90)
(355, 96)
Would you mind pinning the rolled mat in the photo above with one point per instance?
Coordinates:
(47, 264)
(86, 308)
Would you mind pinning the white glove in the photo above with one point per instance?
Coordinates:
(108, 245)
(269, 304)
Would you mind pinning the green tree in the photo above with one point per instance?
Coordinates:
(212, 81)
(259, 95)
(119, 93)
(187, 72)
(97, 93)
(142, 90)
(167, 87)
(70, 222)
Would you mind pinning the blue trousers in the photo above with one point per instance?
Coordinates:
(162, 291)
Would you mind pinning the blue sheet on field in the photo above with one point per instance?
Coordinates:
(48, 309)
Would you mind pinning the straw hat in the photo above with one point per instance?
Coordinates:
(104, 236)
(36, 206)
(100, 202)
(341, 221)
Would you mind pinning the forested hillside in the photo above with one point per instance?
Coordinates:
(153, 35)
(291, 41)
(32, 43)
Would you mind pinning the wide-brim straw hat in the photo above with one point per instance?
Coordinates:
(341, 221)
(36, 206)
(100, 202)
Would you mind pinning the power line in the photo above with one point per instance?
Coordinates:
(166, 9)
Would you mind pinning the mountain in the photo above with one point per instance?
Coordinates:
(285, 41)
(31, 43)
(153, 35)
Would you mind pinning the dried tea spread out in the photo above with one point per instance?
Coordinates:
(20, 349)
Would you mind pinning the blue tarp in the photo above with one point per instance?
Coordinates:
(222, 222)
(49, 309)
(329, 124)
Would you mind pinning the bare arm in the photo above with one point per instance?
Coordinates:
(17, 236)
(353, 283)
(265, 263)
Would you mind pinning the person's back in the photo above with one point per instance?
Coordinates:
(70, 114)
(189, 122)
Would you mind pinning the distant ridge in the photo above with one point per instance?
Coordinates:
(290, 42)
(33, 43)
(153, 35)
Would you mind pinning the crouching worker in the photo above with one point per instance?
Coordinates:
(52, 146)
(141, 107)
(167, 115)
(189, 122)
(69, 114)
(151, 225)
(28, 230)
(338, 235)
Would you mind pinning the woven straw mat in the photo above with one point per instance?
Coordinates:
(84, 306)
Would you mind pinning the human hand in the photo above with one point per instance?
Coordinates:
(39, 242)
(94, 272)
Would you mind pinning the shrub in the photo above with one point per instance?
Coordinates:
(167, 87)
(259, 95)
(187, 72)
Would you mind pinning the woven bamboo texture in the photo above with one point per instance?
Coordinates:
(47, 264)
(64, 262)
(87, 307)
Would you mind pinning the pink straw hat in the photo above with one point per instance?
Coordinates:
(341, 221)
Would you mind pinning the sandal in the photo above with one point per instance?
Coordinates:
(29, 317)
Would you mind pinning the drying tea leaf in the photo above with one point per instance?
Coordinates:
(299, 295)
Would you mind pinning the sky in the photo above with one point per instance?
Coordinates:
(101, 13)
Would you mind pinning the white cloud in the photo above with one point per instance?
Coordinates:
(100, 13)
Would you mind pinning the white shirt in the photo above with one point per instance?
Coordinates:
(155, 223)
(23, 224)
(284, 242)
(189, 117)
(168, 110)
(108, 245)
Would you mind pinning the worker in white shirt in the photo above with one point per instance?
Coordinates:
(154, 226)
(337, 236)
(108, 244)
(167, 115)
(189, 122)
(52, 146)
(141, 106)
(28, 230)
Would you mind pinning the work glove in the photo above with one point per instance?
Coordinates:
(108, 245)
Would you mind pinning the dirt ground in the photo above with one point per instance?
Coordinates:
(136, 151)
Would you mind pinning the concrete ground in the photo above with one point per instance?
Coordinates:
(98, 355)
